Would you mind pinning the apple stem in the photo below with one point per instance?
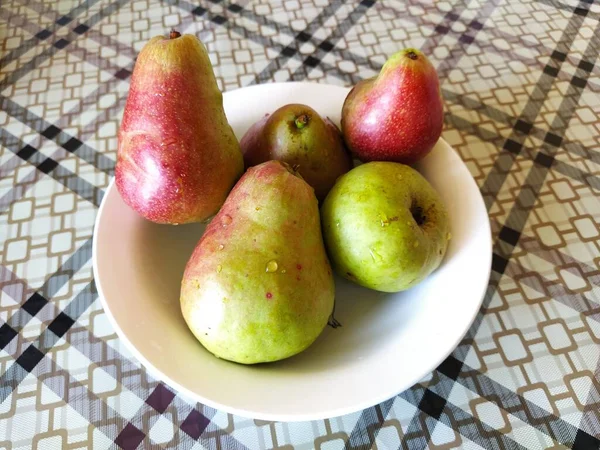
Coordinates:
(174, 34)
(301, 121)
(412, 55)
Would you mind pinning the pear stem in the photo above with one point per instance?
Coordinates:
(301, 121)
(174, 34)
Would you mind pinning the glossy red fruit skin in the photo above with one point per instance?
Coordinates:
(397, 115)
(177, 156)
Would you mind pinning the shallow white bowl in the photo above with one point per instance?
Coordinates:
(387, 341)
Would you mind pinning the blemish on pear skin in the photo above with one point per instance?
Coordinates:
(269, 295)
(299, 266)
(227, 220)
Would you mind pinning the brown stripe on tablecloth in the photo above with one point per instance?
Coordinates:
(552, 289)
(590, 421)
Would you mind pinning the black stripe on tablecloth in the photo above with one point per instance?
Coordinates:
(372, 419)
(479, 383)
(35, 352)
(62, 138)
(34, 304)
(588, 179)
(52, 168)
(581, 10)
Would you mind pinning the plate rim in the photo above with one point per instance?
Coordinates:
(287, 417)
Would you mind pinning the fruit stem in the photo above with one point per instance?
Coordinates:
(301, 121)
(412, 55)
(174, 34)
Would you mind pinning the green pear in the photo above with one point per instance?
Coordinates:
(299, 136)
(385, 227)
(258, 286)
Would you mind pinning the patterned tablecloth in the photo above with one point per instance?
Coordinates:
(521, 89)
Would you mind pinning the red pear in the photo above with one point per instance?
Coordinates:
(398, 114)
(177, 156)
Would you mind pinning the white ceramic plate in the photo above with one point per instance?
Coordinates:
(387, 342)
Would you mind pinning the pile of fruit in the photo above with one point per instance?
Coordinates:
(285, 200)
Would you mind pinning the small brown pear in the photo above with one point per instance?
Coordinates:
(298, 135)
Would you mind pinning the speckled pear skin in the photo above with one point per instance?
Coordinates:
(385, 227)
(177, 156)
(258, 286)
(299, 136)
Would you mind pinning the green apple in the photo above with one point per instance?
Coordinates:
(385, 227)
